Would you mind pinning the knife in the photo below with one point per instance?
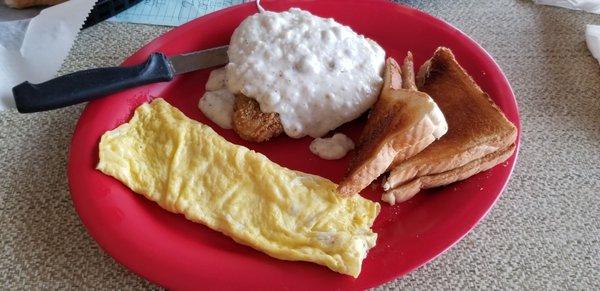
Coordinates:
(95, 83)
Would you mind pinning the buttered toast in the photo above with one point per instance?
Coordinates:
(479, 135)
(401, 123)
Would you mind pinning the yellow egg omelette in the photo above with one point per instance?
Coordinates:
(187, 168)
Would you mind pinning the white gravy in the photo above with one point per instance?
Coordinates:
(218, 107)
(216, 80)
(333, 148)
(316, 73)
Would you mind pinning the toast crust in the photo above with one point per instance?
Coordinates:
(408, 190)
(401, 123)
(477, 127)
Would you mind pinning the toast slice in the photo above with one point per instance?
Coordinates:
(402, 122)
(251, 124)
(410, 189)
(478, 131)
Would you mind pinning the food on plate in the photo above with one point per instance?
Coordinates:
(216, 80)
(314, 73)
(217, 102)
(30, 3)
(189, 169)
(218, 107)
(251, 124)
(402, 123)
(408, 190)
(479, 135)
(239, 112)
(332, 148)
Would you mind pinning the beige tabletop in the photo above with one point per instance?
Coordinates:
(543, 233)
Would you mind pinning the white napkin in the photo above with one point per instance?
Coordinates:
(592, 37)
(592, 6)
(34, 49)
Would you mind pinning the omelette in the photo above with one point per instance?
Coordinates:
(187, 168)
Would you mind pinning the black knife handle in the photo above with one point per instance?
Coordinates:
(90, 84)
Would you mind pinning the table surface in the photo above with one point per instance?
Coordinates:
(543, 232)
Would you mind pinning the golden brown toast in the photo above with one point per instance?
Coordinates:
(29, 3)
(477, 127)
(251, 124)
(402, 122)
(410, 189)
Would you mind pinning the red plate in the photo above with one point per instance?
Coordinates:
(175, 253)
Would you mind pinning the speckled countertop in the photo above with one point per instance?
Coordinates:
(544, 232)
